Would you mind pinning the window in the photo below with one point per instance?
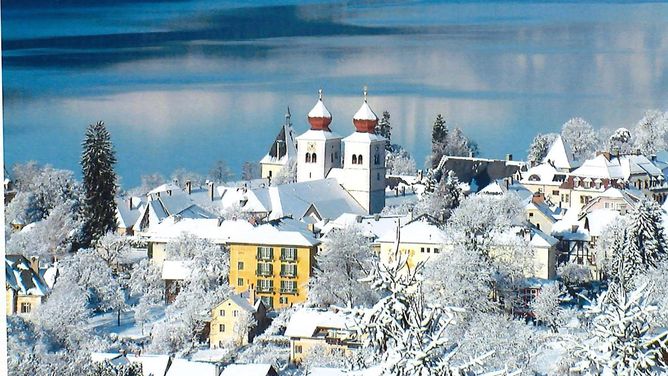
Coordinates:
(354, 159)
(530, 215)
(288, 270)
(359, 159)
(26, 307)
(555, 193)
(240, 281)
(270, 173)
(221, 328)
(283, 300)
(534, 178)
(376, 159)
(422, 250)
(265, 269)
(288, 254)
(240, 265)
(298, 349)
(378, 176)
(265, 253)
(436, 250)
(565, 197)
(308, 158)
(222, 313)
(288, 287)
(265, 285)
(267, 301)
(314, 158)
(235, 313)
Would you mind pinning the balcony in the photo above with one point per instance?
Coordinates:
(288, 274)
(264, 289)
(286, 290)
(264, 273)
(264, 257)
(289, 258)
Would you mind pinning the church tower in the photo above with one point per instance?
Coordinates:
(364, 161)
(318, 149)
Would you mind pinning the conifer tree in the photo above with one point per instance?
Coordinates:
(439, 134)
(385, 129)
(645, 240)
(99, 183)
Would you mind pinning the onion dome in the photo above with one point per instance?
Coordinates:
(365, 120)
(319, 117)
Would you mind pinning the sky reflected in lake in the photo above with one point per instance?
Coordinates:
(183, 84)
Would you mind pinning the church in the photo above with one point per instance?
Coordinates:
(356, 162)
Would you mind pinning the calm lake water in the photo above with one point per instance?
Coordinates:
(185, 83)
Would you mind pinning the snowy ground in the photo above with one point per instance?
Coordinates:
(105, 324)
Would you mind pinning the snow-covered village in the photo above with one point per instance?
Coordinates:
(362, 239)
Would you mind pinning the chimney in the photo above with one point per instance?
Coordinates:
(574, 228)
(509, 157)
(376, 217)
(210, 185)
(652, 157)
(189, 186)
(34, 264)
(538, 198)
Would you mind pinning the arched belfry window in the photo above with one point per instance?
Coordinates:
(359, 159)
(376, 159)
(308, 158)
(314, 158)
(354, 159)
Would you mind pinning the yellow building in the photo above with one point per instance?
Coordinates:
(419, 241)
(312, 329)
(277, 263)
(25, 289)
(539, 214)
(231, 321)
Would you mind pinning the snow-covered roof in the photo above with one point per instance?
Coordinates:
(247, 370)
(167, 187)
(305, 322)
(560, 155)
(541, 239)
(542, 174)
(20, 277)
(128, 210)
(284, 146)
(113, 358)
(564, 227)
(317, 135)
(372, 226)
(365, 113)
(418, 231)
(598, 219)
(364, 137)
(319, 110)
(600, 167)
(543, 208)
(176, 270)
(639, 165)
(285, 231)
(151, 364)
(184, 367)
(240, 301)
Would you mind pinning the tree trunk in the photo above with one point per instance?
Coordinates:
(118, 318)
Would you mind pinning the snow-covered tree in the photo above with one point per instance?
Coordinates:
(581, 136)
(112, 248)
(409, 334)
(345, 260)
(99, 183)
(514, 343)
(620, 141)
(181, 176)
(147, 284)
(249, 170)
(440, 203)
(399, 162)
(539, 147)
(611, 233)
(645, 239)
(244, 324)
(148, 182)
(572, 274)
(88, 271)
(461, 278)
(52, 237)
(649, 135)
(220, 172)
(64, 314)
(23, 209)
(383, 128)
(546, 307)
(288, 174)
(624, 339)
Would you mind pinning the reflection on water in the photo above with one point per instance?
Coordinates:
(183, 84)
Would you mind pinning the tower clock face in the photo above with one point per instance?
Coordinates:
(310, 147)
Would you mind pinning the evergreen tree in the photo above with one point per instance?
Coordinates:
(539, 147)
(99, 183)
(439, 134)
(645, 241)
(385, 129)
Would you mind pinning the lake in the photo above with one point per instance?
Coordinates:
(186, 83)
